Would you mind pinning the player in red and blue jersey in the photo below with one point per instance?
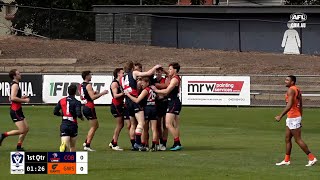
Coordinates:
(71, 110)
(88, 96)
(136, 113)
(162, 103)
(16, 112)
(117, 107)
(174, 104)
(147, 100)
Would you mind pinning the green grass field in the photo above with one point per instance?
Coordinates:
(219, 143)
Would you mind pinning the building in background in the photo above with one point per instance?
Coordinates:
(6, 15)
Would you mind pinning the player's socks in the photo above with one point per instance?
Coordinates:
(132, 142)
(19, 147)
(311, 156)
(114, 144)
(5, 135)
(138, 138)
(177, 141)
(87, 144)
(287, 158)
(164, 142)
(161, 141)
(154, 143)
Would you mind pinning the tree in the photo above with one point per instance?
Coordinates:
(57, 23)
(65, 24)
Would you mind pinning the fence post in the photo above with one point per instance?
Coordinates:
(239, 31)
(113, 24)
(50, 20)
(301, 39)
(177, 32)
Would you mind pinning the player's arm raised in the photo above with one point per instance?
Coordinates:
(56, 110)
(13, 95)
(114, 89)
(291, 94)
(173, 83)
(142, 95)
(147, 73)
(94, 95)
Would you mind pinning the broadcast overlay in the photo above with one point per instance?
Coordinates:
(49, 162)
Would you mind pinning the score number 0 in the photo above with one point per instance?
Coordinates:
(82, 163)
(81, 168)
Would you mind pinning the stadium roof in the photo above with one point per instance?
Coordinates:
(194, 9)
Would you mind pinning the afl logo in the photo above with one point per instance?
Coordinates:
(298, 17)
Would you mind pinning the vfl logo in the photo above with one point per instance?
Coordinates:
(17, 158)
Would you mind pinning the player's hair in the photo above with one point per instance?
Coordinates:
(293, 78)
(138, 64)
(12, 73)
(72, 90)
(159, 69)
(128, 66)
(85, 74)
(175, 66)
(116, 71)
(145, 79)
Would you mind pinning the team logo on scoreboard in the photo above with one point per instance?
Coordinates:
(17, 162)
(54, 157)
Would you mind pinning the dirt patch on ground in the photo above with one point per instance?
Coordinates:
(115, 55)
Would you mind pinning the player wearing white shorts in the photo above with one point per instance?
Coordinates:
(293, 110)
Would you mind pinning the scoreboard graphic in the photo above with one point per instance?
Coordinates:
(49, 162)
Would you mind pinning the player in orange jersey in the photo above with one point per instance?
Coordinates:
(293, 110)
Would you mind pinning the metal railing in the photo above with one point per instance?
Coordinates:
(269, 90)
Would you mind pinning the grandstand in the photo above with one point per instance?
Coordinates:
(75, 56)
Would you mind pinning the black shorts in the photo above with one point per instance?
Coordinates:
(117, 111)
(17, 115)
(126, 113)
(174, 106)
(133, 107)
(150, 113)
(68, 129)
(162, 106)
(89, 113)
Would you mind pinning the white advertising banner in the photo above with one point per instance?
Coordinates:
(216, 90)
(55, 87)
